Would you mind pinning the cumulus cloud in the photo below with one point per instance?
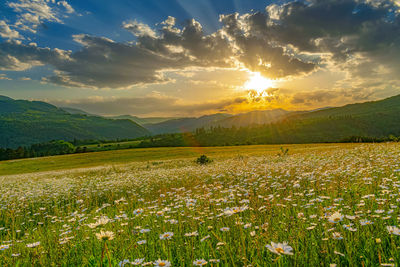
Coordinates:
(145, 105)
(7, 33)
(258, 50)
(32, 13)
(68, 8)
(103, 63)
(139, 29)
(359, 37)
(16, 56)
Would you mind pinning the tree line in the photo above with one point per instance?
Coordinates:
(59, 147)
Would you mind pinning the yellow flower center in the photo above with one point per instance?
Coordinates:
(162, 264)
(279, 250)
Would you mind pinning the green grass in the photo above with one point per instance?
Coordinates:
(94, 159)
(225, 212)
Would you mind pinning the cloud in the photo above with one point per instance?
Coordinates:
(257, 49)
(139, 29)
(294, 39)
(7, 33)
(314, 97)
(32, 13)
(103, 63)
(146, 105)
(68, 7)
(170, 21)
(17, 56)
(4, 77)
(360, 37)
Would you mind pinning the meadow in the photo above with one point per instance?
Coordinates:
(317, 205)
(118, 157)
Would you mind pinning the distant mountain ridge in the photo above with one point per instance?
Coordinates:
(77, 111)
(162, 125)
(185, 124)
(252, 118)
(257, 117)
(24, 122)
(143, 120)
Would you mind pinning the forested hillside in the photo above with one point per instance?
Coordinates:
(376, 119)
(28, 122)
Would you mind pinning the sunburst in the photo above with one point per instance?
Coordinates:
(258, 83)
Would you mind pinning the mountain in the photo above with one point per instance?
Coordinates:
(369, 119)
(5, 98)
(143, 121)
(253, 117)
(374, 120)
(258, 117)
(76, 111)
(185, 124)
(25, 122)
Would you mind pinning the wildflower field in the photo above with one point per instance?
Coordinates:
(330, 205)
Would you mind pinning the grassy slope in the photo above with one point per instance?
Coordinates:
(132, 155)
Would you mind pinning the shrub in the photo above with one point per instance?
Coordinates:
(203, 159)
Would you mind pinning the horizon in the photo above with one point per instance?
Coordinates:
(180, 58)
(210, 114)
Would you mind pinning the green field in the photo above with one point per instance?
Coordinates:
(94, 159)
(318, 205)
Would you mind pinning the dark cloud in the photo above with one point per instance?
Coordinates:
(17, 56)
(256, 47)
(326, 97)
(103, 63)
(212, 50)
(146, 105)
(310, 98)
(358, 35)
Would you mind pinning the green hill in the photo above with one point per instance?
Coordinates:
(25, 122)
(376, 120)
(370, 119)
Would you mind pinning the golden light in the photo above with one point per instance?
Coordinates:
(258, 83)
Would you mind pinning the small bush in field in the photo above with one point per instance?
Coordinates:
(203, 159)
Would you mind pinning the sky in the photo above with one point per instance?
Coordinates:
(191, 58)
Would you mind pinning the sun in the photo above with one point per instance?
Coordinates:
(258, 83)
